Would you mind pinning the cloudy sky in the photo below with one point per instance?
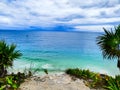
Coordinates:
(75, 15)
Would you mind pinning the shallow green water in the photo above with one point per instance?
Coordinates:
(57, 51)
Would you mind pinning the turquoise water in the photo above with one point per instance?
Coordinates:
(57, 51)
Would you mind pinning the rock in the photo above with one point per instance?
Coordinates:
(54, 82)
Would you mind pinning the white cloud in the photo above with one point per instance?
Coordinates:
(49, 13)
(93, 20)
(94, 28)
(5, 20)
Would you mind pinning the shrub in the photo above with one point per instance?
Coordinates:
(113, 83)
(96, 80)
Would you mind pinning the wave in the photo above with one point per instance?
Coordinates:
(47, 66)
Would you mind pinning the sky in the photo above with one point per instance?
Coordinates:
(74, 15)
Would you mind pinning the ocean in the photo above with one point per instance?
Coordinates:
(58, 51)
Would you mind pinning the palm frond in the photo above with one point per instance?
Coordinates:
(109, 42)
(8, 53)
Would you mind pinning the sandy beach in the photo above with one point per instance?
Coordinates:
(53, 82)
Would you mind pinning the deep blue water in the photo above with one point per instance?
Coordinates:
(57, 51)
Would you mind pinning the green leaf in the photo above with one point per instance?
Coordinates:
(9, 80)
(2, 87)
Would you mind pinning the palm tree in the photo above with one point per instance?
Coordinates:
(109, 43)
(7, 54)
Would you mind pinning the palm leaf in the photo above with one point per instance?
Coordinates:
(109, 43)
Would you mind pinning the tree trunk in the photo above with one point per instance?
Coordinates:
(118, 64)
(3, 71)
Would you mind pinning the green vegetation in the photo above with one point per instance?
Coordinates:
(13, 81)
(8, 53)
(46, 71)
(110, 44)
(96, 80)
(113, 83)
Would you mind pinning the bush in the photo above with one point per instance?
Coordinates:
(96, 80)
(113, 83)
(13, 81)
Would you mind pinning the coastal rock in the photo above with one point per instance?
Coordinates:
(53, 82)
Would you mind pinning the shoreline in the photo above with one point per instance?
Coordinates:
(41, 72)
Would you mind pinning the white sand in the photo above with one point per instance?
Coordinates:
(53, 82)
